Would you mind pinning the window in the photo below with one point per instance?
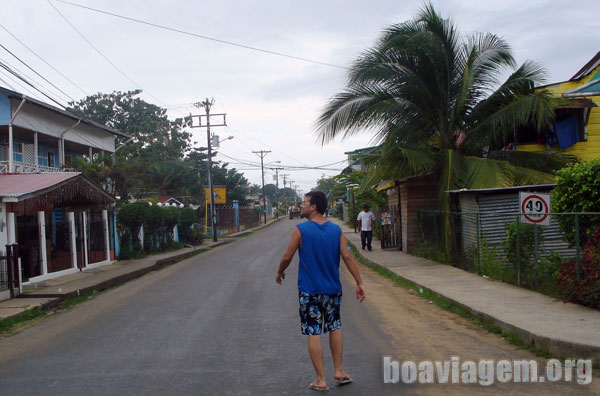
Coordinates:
(568, 129)
(67, 160)
(18, 148)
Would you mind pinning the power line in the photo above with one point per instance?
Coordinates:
(8, 69)
(287, 167)
(101, 53)
(203, 37)
(56, 94)
(30, 68)
(43, 60)
(258, 141)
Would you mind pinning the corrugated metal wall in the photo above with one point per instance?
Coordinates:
(498, 210)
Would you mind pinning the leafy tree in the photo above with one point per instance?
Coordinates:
(578, 190)
(271, 192)
(155, 139)
(236, 183)
(154, 134)
(132, 216)
(436, 105)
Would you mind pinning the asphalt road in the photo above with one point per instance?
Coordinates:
(218, 324)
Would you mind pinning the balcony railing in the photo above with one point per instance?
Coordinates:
(24, 167)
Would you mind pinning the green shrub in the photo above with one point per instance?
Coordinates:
(132, 216)
(187, 217)
(587, 290)
(430, 251)
(543, 276)
(578, 190)
(526, 243)
(197, 236)
(490, 265)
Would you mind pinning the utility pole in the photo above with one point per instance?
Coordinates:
(284, 179)
(262, 154)
(207, 104)
(277, 191)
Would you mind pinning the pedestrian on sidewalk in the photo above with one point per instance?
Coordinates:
(320, 244)
(366, 222)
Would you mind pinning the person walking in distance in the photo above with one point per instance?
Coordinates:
(366, 222)
(320, 244)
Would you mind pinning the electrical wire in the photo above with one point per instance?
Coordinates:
(7, 68)
(204, 37)
(43, 60)
(48, 90)
(30, 68)
(102, 54)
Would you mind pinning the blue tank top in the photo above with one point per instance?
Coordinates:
(319, 271)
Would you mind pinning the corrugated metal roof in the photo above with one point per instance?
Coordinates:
(588, 67)
(502, 189)
(20, 96)
(19, 184)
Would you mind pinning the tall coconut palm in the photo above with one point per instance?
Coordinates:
(436, 104)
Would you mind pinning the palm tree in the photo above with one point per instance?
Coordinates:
(436, 105)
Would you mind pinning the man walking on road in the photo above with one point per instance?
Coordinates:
(366, 222)
(320, 244)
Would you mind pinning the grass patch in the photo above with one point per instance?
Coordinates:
(448, 305)
(15, 324)
(245, 234)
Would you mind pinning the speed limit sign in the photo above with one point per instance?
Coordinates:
(534, 208)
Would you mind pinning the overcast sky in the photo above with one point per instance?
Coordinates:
(271, 101)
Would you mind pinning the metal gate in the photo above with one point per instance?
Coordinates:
(391, 227)
(9, 269)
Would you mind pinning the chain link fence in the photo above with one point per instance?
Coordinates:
(506, 247)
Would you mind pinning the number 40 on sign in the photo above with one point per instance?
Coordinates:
(535, 208)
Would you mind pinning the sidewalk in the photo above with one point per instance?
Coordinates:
(52, 292)
(564, 329)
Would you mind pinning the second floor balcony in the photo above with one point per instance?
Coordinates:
(25, 167)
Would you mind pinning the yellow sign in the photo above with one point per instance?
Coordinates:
(219, 195)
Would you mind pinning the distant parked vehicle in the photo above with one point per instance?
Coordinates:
(294, 209)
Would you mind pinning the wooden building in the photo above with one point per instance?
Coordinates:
(405, 198)
(576, 130)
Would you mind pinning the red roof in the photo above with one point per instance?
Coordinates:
(163, 199)
(17, 184)
(587, 68)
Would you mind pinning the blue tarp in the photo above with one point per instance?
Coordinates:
(566, 132)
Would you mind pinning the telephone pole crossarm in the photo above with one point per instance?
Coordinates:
(207, 104)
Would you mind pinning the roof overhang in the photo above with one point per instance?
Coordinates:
(30, 100)
(591, 88)
(43, 191)
(581, 103)
(503, 189)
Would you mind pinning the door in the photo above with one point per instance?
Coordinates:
(51, 159)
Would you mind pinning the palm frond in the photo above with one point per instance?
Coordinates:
(543, 161)
(485, 173)
(524, 176)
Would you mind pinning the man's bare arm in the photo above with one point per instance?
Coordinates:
(353, 268)
(287, 257)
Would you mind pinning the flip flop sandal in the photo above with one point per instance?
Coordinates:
(318, 388)
(343, 381)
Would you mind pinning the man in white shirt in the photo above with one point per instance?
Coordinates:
(366, 222)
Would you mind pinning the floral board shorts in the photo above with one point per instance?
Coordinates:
(318, 311)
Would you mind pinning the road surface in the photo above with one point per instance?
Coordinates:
(218, 324)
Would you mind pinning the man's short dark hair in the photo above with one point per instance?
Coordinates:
(365, 206)
(319, 199)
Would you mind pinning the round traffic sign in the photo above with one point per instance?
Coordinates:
(535, 208)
